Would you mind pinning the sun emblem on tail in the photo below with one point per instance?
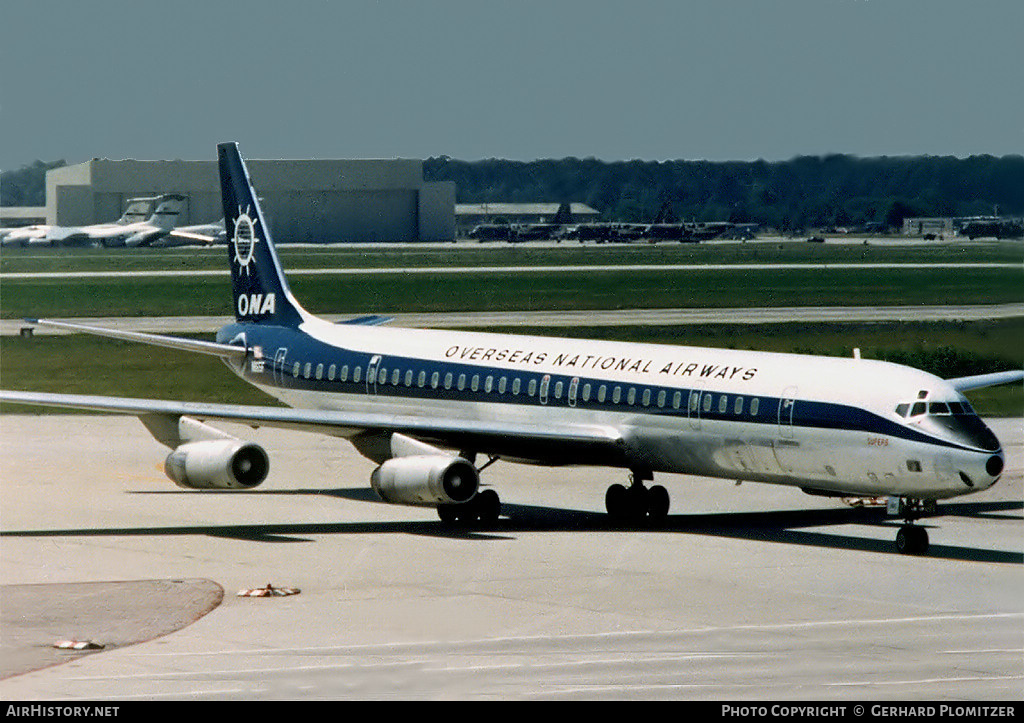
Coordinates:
(244, 239)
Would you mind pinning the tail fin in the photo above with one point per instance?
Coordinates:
(261, 291)
(167, 213)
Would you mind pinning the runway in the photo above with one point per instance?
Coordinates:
(748, 592)
(591, 317)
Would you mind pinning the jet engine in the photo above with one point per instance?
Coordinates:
(425, 480)
(217, 464)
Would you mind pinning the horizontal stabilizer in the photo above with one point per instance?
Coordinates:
(372, 320)
(963, 384)
(225, 351)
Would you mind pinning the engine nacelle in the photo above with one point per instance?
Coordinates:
(425, 480)
(217, 464)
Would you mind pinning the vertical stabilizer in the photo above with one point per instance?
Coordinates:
(261, 292)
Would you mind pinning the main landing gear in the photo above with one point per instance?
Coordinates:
(483, 509)
(911, 539)
(636, 503)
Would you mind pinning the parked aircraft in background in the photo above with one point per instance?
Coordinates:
(130, 230)
(138, 210)
(425, 405)
(202, 234)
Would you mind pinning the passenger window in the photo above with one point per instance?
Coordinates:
(408, 378)
(308, 368)
(661, 398)
(434, 379)
(677, 399)
(474, 384)
(421, 380)
(723, 404)
(295, 369)
(646, 398)
(394, 377)
(531, 388)
(738, 408)
(755, 403)
(516, 385)
(694, 401)
(357, 374)
(602, 393)
(502, 385)
(448, 380)
(707, 402)
(586, 392)
(319, 371)
(558, 390)
(616, 395)
(382, 377)
(344, 373)
(462, 382)
(489, 384)
(330, 372)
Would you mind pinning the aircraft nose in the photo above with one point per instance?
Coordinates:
(983, 472)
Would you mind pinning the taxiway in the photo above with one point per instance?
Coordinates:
(747, 592)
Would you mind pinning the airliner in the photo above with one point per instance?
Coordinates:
(434, 408)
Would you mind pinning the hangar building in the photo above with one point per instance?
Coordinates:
(305, 201)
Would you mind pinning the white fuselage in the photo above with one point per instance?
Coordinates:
(821, 423)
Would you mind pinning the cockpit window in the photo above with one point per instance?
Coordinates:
(938, 408)
(918, 408)
(902, 409)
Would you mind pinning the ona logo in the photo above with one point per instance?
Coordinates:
(256, 304)
(244, 239)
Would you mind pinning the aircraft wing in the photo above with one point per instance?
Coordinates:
(963, 384)
(562, 443)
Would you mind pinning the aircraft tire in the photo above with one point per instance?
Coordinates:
(488, 505)
(616, 501)
(657, 504)
(912, 540)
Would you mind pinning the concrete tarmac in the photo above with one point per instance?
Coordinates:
(751, 592)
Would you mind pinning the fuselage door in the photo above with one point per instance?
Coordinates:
(278, 368)
(693, 408)
(574, 386)
(371, 374)
(786, 406)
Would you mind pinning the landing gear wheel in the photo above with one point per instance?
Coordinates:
(615, 501)
(636, 503)
(657, 504)
(488, 506)
(485, 508)
(912, 540)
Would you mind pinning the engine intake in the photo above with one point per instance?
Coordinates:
(217, 464)
(425, 480)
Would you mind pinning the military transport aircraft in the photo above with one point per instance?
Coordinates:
(425, 405)
(129, 230)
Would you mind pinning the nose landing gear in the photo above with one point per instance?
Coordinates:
(911, 539)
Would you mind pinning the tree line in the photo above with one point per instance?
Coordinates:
(804, 192)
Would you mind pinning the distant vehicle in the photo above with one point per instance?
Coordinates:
(665, 232)
(816, 240)
(492, 232)
(536, 231)
(992, 228)
(131, 229)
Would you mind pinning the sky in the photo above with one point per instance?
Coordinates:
(516, 79)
